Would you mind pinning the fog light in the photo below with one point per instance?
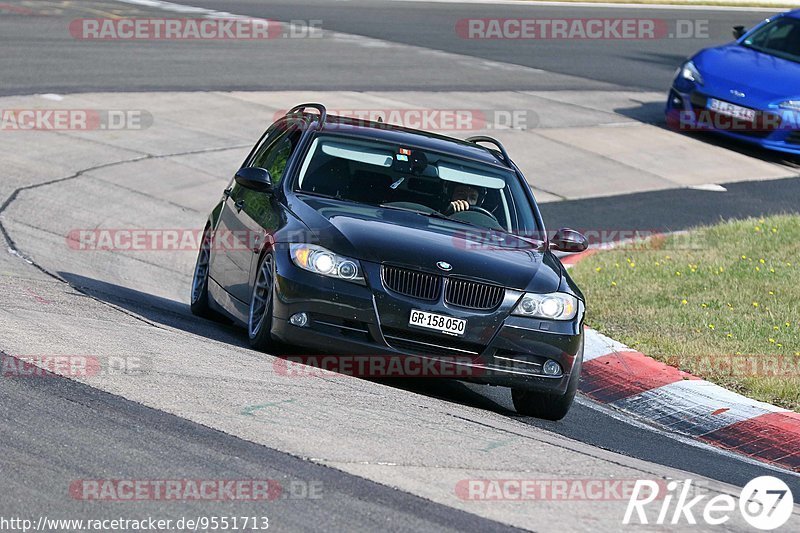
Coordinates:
(299, 319)
(551, 368)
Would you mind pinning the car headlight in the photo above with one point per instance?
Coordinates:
(689, 72)
(794, 105)
(322, 261)
(553, 306)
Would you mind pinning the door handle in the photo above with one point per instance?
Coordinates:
(239, 205)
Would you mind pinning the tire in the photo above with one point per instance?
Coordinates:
(259, 324)
(199, 296)
(545, 405)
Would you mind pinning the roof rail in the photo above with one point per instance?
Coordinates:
(323, 113)
(484, 139)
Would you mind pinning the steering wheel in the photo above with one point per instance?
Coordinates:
(485, 212)
(482, 211)
(450, 211)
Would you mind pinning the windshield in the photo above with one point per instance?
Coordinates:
(430, 183)
(780, 38)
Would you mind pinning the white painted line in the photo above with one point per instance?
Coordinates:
(711, 187)
(597, 345)
(715, 392)
(693, 407)
(178, 8)
(613, 5)
(691, 441)
(358, 40)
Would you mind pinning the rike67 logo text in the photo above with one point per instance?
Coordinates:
(765, 503)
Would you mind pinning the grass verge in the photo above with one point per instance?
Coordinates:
(721, 302)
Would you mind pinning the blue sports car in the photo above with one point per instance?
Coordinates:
(748, 89)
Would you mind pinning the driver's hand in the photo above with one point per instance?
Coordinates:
(459, 205)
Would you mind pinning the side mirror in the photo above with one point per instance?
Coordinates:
(569, 240)
(254, 178)
(738, 31)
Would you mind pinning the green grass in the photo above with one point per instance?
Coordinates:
(722, 302)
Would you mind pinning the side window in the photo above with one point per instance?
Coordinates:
(276, 150)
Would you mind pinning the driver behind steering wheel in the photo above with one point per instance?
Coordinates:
(463, 197)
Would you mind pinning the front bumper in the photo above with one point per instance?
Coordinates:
(686, 111)
(350, 319)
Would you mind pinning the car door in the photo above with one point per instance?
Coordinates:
(248, 217)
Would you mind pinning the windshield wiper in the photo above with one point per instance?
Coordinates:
(435, 214)
(317, 194)
(397, 208)
(328, 196)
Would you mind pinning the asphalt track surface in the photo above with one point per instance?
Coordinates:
(646, 64)
(39, 54)
(676, 209)
(55, 430)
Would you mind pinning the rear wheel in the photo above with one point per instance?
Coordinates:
(199, 300)
(545, 405)
(259, 324)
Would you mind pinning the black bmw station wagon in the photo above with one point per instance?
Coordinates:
(368, 238)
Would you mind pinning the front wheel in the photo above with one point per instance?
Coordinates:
(259, 324)
(199, 297)
(545, 405)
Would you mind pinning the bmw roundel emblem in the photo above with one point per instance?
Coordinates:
(444, 265)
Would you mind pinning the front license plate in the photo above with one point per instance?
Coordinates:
(732, 110)
(441, 323)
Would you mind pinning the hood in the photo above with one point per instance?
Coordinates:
(763, 78)
(411, 240)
